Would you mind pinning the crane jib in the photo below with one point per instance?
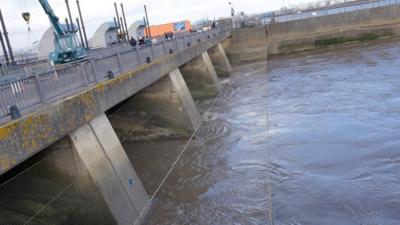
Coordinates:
(67, 48)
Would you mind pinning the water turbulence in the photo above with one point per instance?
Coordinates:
(313, 141)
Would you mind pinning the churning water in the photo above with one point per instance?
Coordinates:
(315, 142)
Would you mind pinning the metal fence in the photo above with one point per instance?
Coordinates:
(254, 20)
(29, 91)
(23, 68)
(336, 10)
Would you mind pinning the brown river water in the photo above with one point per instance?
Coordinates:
(315, 141)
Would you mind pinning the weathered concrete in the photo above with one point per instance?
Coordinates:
(247, 44)
(302, 35)
(201, 77)
(100, 150)
(163, 110)
(20, 139)
(220, 61)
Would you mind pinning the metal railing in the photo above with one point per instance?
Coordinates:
(30, 91)
(254, 20)
(338, 10)
(23, 68)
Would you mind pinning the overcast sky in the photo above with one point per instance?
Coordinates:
(95, 12)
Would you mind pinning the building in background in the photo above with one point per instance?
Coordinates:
(105, 36)
(136, 29)
(160, 30)
(203, 24)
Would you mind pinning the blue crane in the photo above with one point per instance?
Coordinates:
(67, 47)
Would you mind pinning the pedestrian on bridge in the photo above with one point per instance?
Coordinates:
(133, 42)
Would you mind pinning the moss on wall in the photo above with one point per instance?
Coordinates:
(302, 46)
(360, 38)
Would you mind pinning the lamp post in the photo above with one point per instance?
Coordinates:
(147, 21)
(232, 14)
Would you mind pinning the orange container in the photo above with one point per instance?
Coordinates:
(159, 30)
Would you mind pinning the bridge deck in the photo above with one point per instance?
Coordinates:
(86, 94)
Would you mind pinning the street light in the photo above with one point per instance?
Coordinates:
(232, 15)
(232, 10)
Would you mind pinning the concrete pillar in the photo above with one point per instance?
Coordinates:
(100, 150)
(200, 77)
(220, 61)
(185, 97)
(164, 110)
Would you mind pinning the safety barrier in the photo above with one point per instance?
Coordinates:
(30, 91)
(254, 20)
(332, 11)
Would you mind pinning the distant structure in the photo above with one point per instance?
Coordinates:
(136, 29)
(160, 30)
(317, 4)
(201, 24)
(105, 36)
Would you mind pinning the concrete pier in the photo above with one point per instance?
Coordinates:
(201, 77)
(247, 45)
(103, 155)
(163, 110)
(220, 61)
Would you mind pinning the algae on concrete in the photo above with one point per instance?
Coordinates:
(360, 38)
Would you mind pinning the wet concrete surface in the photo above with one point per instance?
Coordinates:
(313, 142)
(52, 188)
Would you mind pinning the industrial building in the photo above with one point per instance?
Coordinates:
(105, 35)
(136, 29)
(159, 30)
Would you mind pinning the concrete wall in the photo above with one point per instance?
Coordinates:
(247, 44)
(301, 34)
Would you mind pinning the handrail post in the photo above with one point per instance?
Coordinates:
(118, 55)
(93, 65)
(164, 48)
(175, 42)
(152, 51)
(39, 90)
(83, 74)
(137, 55)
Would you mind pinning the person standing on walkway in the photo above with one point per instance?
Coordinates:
(133, 42)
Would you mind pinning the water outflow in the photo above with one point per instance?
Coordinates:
(314, 142)
(329, 154)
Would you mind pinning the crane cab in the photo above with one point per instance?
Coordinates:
(67, 49)
(67, 46)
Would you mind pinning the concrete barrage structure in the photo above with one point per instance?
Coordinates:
(157, 100)
(93, 120)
